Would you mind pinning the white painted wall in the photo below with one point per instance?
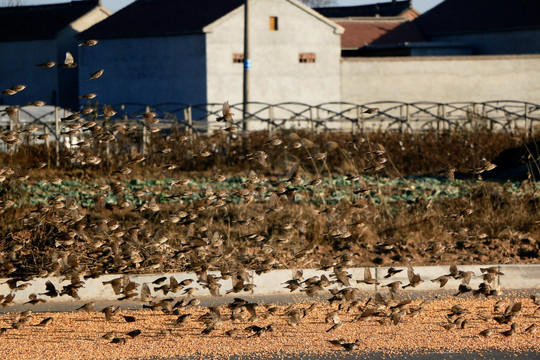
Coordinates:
(276, 74)
(441, 79)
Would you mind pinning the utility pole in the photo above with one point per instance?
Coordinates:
(247, 66)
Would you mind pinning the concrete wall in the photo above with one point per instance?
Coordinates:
(18, 66)
(504, 42)
(441, 79)
(150, 70)
(276, 74)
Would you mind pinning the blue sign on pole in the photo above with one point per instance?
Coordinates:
(247, 64)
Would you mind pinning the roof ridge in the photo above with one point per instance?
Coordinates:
(50, 6)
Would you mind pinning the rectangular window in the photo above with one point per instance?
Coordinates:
(273, 23)
(238, 58)
(306, 57)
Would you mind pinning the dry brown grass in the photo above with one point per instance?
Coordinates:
(488, 224)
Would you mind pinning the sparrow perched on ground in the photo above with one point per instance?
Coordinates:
(134, 333)
(510, 332)
(45, 321)
(486, 333)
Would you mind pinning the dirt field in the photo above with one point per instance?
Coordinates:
(422, 325)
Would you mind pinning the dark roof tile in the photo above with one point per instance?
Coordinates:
(462, 16)
(358, 34)
(393, 8)
(161, 18)
(21, 23)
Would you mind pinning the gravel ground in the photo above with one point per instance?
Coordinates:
(79, 335)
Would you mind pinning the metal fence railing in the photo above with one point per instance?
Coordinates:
(504, 115)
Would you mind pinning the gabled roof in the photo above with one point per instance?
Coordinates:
(40, 22)
(463, 16)
(161, 18)
(172, 17)
(393, 8)
(359, 34)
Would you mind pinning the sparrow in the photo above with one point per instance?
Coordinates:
(371, 111)
(69, 62)
(90, 42)
(96, 75)
(48, 64)
(226, 113)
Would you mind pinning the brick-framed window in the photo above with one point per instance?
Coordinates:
(273, 23)
(306, 57)
(238, 58)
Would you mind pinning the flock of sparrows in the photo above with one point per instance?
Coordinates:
(106, 246)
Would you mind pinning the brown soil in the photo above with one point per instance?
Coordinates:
(80, 335)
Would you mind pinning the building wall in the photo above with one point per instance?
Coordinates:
(441, 79)
(55, 85)
(276, 74)
(18, 66)
(504, 42)
(68, 79)
(152, 70)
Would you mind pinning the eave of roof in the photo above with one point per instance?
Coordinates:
(466, 16)
(145, 18)
(150, 18)
(23, 23)
(396, 8)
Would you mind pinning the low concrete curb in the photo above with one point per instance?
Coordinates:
(525, 277)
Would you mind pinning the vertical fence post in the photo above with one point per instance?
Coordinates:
(443, 113)
(408, 115)
(357, 116)
(11, 125)
(401, 119)
(271, 118)
(317, 128)
(18, 126)
(46, 131)
(186, 127)
(311, 126)
(145, 134)
(438, 119)
(123, 108)
(57, 134)
(484, 116)
(525, 117)
(190, 122)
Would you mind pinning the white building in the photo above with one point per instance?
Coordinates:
(191, 51)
